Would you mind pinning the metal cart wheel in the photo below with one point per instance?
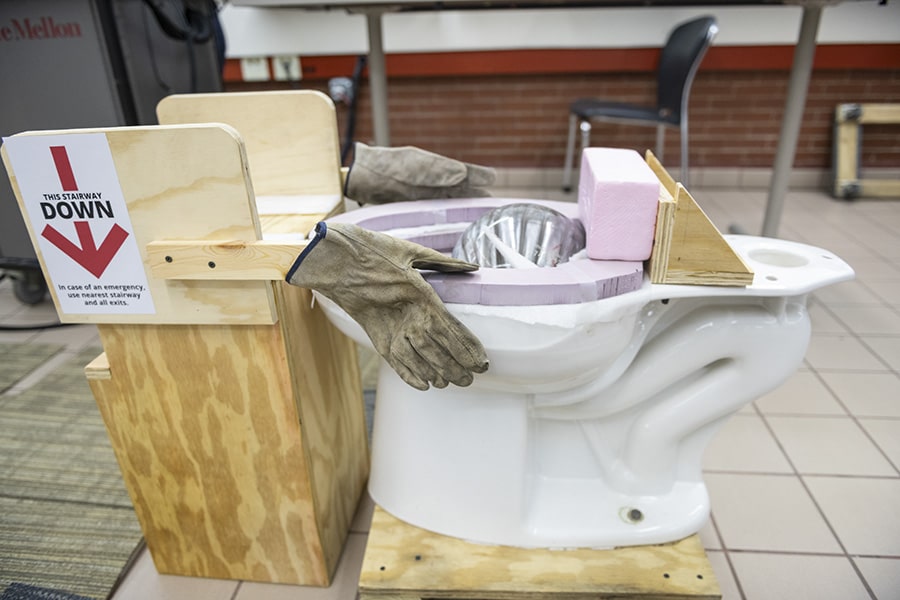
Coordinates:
(29, 287)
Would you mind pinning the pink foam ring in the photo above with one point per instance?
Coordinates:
(618, 197)
(572, 282)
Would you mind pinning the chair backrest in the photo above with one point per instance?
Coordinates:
(678, 63)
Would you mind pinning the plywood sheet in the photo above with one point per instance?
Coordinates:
(291, 136)
(405, 562)
(181, 183)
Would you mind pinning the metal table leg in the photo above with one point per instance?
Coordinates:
(377, 75)
(793, 115)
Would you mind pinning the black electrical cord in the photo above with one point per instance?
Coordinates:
(351, 109)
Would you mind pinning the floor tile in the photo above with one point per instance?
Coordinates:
(864, 512)
(709, 536)
(875, 268)
(841, 352)
(719, 563)
(144, 583)
(867, 394)
(847, 292)
(75, 337)
(767, 512)
(745, 444)
(868, 319)
(829, 446)
(344, 586)
(886, 433)
(886, 289)
(802, 394)
(823, 321)
(797, 577)
(887, 348)
(882, 575)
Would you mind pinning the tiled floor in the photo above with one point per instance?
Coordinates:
(805, 483)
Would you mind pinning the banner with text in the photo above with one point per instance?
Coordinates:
(76, 208)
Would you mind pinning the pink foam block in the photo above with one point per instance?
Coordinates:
(618, 196)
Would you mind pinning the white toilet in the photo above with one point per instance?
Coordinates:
(588, 429)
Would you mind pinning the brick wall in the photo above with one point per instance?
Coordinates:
(521, 119)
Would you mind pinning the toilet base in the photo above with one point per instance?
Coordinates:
(614, 519)
(403, 561)
(475, 466)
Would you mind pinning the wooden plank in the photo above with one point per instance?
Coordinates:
(879, 113)
(403, 561)
(241, 448)
(181, 183)
(291, 137)
(211, 450)
(846, 157)
(327, 386)
(688, 248)
(699, 254)
(662, 239)
(98, 368)
(880, 188)
(665, 178)
(226, 260)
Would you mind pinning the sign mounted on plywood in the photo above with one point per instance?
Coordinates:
(75, 207)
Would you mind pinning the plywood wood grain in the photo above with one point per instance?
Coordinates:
(206, 432)
(291, 136)
(243, 448)
(688, 248)
(409, 563)
(183, 183)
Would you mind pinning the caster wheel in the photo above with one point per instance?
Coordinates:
(30, 289)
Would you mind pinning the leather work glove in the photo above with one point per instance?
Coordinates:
(373, 277)
(381, 175)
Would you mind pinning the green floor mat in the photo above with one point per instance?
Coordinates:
(66, 522)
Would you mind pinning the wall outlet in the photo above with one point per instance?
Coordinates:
(287, 68)
(255, 69)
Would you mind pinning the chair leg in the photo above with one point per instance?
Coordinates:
(585, 127)
(660, 142)
(570, 154)
(685, 174)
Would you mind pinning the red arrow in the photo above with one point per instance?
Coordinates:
(64, 168)
(94, 259)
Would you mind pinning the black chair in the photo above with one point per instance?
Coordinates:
(678, 62)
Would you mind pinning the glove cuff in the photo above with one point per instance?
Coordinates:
(321, 231)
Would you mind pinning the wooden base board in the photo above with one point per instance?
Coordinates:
(403, 562)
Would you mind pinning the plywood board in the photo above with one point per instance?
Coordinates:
(180, 183)
(291, 136)
(688, 248)
(243, 448)
(405, 562)
(211, 450)
(328, 388)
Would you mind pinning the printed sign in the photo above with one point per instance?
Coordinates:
(75, 206)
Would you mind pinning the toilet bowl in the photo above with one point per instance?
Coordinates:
(588, 429)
